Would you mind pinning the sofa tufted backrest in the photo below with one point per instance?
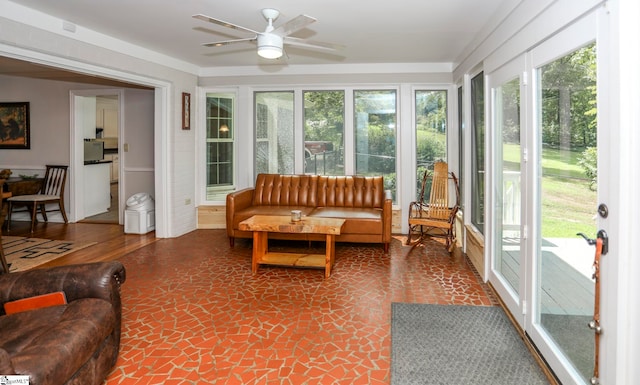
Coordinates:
(285, 190)
(319, 191)
(351, 191)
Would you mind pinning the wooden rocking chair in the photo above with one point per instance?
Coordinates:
(435, 217)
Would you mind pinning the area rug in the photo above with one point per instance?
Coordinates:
(447, 344)
(24, 253)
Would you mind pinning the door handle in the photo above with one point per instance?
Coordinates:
(601, 235)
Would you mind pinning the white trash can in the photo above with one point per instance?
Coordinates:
(139, 215)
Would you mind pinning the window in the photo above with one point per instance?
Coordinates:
(274, 143)
(219, 145)
(431, 131)
(477, 151)
(375, 135)
(324, 132)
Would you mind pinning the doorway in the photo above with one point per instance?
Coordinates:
(108, 133)
(98, 121)
(545, 192)
(567, 198)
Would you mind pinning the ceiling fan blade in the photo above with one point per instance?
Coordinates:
(222, 23)
(294, 25)
(312, 44)
(227, 42)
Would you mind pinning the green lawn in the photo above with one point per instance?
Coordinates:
(568, 205)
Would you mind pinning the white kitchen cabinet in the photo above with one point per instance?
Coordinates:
(115, 166)
(107, 116)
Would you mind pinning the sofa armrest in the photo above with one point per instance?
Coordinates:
(387, 217)
(237, 201)
(6, 366)
(89, 280)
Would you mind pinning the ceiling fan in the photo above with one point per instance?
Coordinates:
(270, 42)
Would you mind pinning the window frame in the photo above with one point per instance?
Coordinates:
(219, 193)
(295, 114)
(474, 171)
(448, 132)
(460, 94)
(244, 164)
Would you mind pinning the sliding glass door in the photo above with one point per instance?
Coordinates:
(566, 169)
(508, 195)
(544, 195)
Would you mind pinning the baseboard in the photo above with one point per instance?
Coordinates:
(475, 250)
(23, 216)
(548, 372)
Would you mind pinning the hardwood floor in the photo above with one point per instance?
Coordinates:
(112, 242)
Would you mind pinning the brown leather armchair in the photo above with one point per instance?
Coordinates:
(75, 343)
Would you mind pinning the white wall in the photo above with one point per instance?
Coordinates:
(25, 36)
(337, 77)
(138, 161)
(49, 124)
(49, 120)
(529, 24)
(50, 131)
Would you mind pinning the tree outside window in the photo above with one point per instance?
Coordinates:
(431, 131)
(375, 135)
(324, 132)
(477, 151)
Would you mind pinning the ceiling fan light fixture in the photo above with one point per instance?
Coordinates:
(270, 42)
(270, 52)
(270, 46)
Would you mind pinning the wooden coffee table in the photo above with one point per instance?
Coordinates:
(262, 225)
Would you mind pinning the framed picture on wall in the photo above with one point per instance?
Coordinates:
(14, 125)
(186, 111)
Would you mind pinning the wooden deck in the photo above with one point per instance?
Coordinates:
(567, 296)
(566, 286)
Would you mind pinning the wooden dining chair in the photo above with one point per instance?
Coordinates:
(52, 191)
(434, 213)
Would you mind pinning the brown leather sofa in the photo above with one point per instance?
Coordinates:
(76, 343)
(359, 200)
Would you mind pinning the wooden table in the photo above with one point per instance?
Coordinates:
(19, 186)
(262, 225)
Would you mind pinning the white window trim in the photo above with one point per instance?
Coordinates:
(244, 116)
(201, 143)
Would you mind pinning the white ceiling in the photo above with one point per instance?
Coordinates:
(372, 31)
